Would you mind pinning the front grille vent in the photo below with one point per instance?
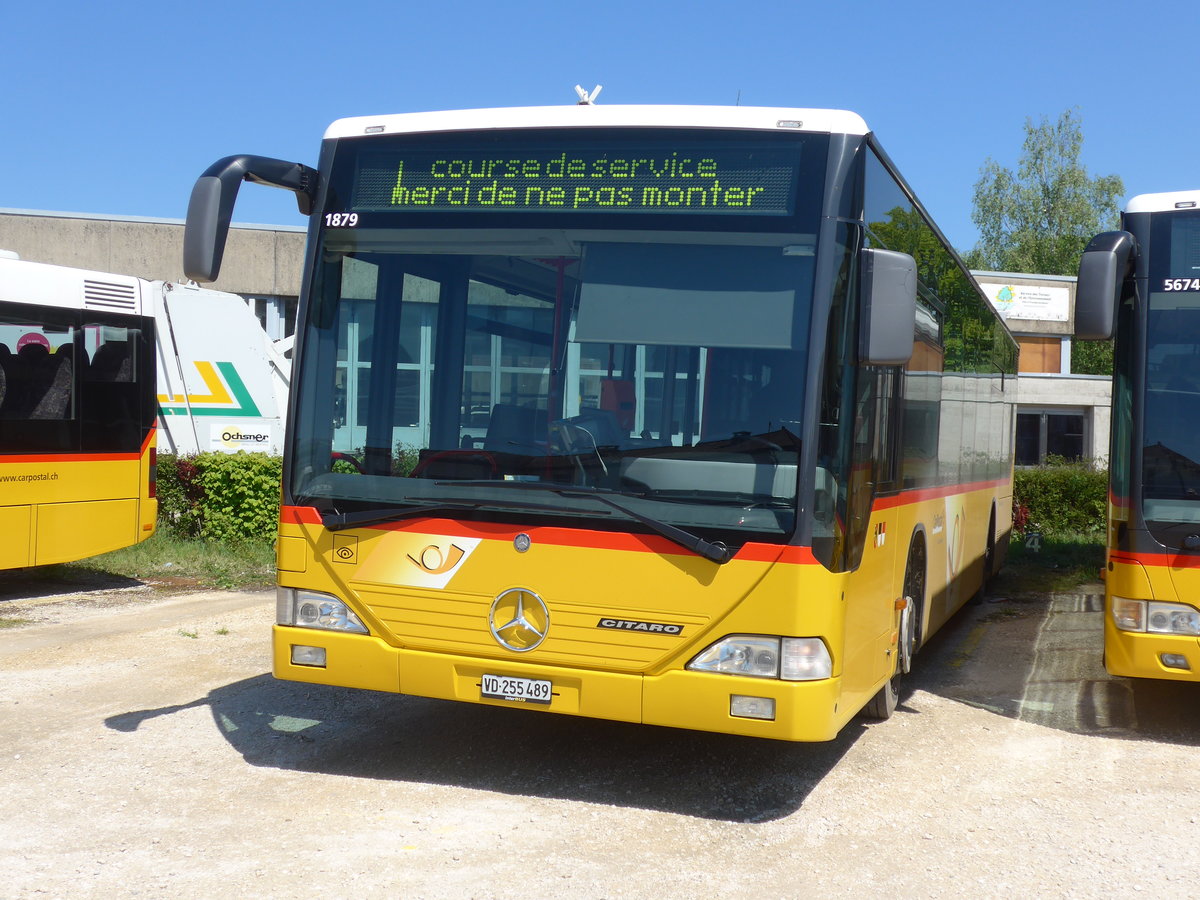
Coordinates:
(109, 295)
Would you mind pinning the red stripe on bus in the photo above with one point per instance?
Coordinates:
(81, 457)
(904, 498)
(1160, 560)
(562, 537)
(70, 457)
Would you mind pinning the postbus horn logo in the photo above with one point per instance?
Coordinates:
(435, 562)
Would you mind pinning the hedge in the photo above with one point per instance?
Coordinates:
(1060, 498)
(223, 496)
(220, 496)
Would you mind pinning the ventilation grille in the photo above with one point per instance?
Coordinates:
(109, 295)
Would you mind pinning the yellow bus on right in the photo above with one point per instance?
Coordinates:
(1141, 286)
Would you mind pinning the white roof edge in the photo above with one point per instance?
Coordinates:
(54, 270)
(1164, 202)
(759, 118)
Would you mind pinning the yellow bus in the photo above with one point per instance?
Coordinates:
(1142, 284)
(686, 416)
(77, 413)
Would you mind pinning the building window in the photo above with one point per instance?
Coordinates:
(1041, 434)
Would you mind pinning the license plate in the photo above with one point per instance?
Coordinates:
(507, 687)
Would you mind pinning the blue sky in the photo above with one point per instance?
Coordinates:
(115, 108)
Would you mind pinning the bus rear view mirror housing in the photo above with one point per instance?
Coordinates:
(1105, 263)
(889, 307)
(210, 208)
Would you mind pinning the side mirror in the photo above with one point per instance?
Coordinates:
(1106, 262)
(889, 308)
(210, 208)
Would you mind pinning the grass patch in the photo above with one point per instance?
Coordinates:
(190, 562)
(13, 623)
(1064, 562)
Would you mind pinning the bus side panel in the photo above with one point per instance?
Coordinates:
(75, 506)
(70, 531)
(868, 603)
(16, 526)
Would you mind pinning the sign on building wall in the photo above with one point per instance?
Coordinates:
(1029, 302)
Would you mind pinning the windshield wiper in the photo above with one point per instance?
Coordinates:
(341, 521)
(716, 551)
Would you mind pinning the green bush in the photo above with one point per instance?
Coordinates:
(234, 496)
(241, 495)
(1060, 498)
(220, 496)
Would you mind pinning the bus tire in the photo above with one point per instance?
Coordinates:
(883, 704)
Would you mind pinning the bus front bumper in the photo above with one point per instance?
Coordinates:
(803, 711)
(1138, 654)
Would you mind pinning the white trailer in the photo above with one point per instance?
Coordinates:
(222, 382)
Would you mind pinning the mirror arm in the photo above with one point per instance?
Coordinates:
(210, 208)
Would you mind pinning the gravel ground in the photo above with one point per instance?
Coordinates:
(147, 752)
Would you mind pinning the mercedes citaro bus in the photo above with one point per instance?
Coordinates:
(1142, 284)
(686, 416)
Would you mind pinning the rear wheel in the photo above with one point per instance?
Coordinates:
(908, 639)
(989, 554)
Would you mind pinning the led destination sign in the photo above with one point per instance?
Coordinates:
(664, 177)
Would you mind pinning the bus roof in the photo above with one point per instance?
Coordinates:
(1165, 202)
(758, 118)
(23, 281)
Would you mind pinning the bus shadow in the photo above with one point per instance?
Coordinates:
(59, 580)
(361, 734)
(1038, 659)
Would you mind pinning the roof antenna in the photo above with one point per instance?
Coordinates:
(586, 99)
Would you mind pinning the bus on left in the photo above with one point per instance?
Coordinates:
(77, 413)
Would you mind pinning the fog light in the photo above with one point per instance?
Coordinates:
(308, 656)
(751, 707)
(1175, 661)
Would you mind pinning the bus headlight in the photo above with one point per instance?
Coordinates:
(309, 609)
(1155, 617)
(1172, 618)
(766, 656)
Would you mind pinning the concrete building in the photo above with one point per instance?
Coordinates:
(262, 262)
(1059, 412)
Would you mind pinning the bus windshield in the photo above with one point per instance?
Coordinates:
(495, 316)
(667, 368)
(1171, 453)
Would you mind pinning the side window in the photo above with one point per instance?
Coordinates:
(38, 380)
(114, 387)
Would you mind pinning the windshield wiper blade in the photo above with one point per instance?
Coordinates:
(341, 521)
(716, 551)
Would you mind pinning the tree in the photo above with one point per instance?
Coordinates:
(1039, 219)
